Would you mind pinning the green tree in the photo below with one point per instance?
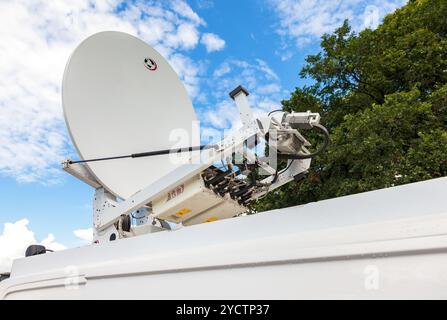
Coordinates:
(383, 95)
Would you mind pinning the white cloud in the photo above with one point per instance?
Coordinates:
(50, 243)
(36, 39)
(269, 73)
(189, 72)
(212, 42)
(222, 70)
(303, 21)
(186, 37)
(223, 116)
(86, 235)
(233, 72)
(14, 240)
(185, 10)
(205, 4)
(269, 88)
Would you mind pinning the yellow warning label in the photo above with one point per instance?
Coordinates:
(211, 219)
(182, 212)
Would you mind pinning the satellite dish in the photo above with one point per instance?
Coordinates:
(120, 96)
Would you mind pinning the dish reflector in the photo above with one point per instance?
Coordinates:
(120, 96)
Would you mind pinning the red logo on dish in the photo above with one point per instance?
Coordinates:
(150, 64)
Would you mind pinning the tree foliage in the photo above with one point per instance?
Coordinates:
(383, 95)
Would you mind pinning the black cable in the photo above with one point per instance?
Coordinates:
(313, 154)
(288, 166)
(275, 178)
(277, 110)
(149, 153)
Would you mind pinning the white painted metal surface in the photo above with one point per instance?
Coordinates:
(194, 202)
(120, 96)
(389, 243)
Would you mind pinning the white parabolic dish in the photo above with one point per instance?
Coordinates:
(120, 96)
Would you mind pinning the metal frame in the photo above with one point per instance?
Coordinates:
(107, 210)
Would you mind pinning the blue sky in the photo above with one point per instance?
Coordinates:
(213, 45)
